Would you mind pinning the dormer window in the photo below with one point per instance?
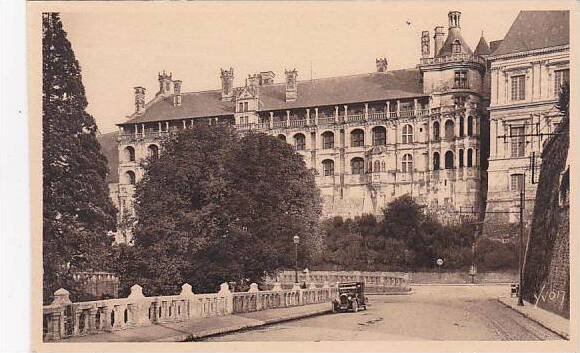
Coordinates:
(456, 47)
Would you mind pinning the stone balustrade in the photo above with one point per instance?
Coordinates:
(379, 281)
(63, 318)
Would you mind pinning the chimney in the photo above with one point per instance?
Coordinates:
(381, 65)
(425, 44)
(254, 80)
(454, 17)
(266, 78)
(139, 99)
(165, 84)
(177, 95)
(438, 38)
(227, 78)
(291, 85)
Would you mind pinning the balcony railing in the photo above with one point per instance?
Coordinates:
(377, 116)
(452, 58)
(326, 120)
(298, 123)
(278, 124)
(355, 117)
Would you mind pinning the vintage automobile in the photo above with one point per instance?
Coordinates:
(351, 296)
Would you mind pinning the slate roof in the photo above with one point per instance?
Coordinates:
(452, 35)
(396, 84)
(482, 47)
(536, 30)
(109, 147)
(494, 44)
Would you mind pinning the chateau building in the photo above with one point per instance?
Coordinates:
(527, 70)
(370, 137)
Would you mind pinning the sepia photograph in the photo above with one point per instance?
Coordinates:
(358, 176)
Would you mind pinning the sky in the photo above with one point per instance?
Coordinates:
(122, 47)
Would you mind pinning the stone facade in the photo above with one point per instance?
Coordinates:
(370, 138)
(526, 72)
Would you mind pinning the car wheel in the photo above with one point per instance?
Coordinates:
(355, 306)
(334, 308)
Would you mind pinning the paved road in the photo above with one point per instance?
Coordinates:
(431, 313)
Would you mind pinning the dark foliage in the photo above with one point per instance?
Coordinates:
(215, 207)
(77, 211)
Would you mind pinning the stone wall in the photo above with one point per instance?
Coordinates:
(462, 277)
(547, 265)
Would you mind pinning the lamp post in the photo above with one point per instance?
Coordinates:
(296, 242)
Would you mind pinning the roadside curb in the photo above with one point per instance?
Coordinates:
(536, 318)
(236, 328)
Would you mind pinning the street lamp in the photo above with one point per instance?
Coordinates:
(296, 242)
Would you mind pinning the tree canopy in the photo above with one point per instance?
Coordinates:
(77, 210)
(217, 207)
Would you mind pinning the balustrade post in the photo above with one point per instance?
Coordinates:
(345, 113)
(159, 127)
(315, 116)
(388, 112)
(271, 120)
(77, 322)
(415, 102)
(92, 326)
(143, 130)
(227, 297)
(287, 118)
(139, 307)
(366, 111)
(336, 114)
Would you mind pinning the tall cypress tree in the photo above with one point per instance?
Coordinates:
(77, 211)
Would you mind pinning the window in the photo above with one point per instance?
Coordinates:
(246, 106)
(282, 137)
(328, 167)
(357, 165)
(461, 126)
(518, 87)
(240, 107)
(370, 169)
(327, 140)
(130, 176)
(456, 47)
(407, 163)
(436, 161)
(470, 126)
(299, 142)
(460, 158)
(153, 151)
(470, 157)
(460, 79)
(459, 101)
(517, 182)
(436, 131)
(518, 142)
(129, 154)
(449, 160)
(407, 134)
(449, 130)
(377, 167)
(244, 120)
(560, 76)
(379, 136)
(357, 138)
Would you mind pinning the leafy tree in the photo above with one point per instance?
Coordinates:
(215, 207)
(77, 211)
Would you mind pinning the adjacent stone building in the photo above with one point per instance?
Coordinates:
(527, 70)
(370, 137)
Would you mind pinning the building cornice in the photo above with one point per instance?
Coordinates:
(522, 54)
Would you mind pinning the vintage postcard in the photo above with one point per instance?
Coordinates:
(302, 176)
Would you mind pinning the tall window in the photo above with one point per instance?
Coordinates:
(377, 167)
(459, 101)
(560, 76)
(470, 157)
(129, 154)
(517, 182)
(244, 120)
(357, 138)
(470, 126)
(246, 106)
(460, 158)
(407, 163)
(357, 165)
(461, 126)
(518, 147)
(299, 142)
(449, 130)
(460, 79)
(407, 134)
(436, 161)
(241, 107)
(153, 151)
(328, 140)
(518, 87)
(436, 131)
(379, 136)
(130, 175)
(328, 167)
(449, 160)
